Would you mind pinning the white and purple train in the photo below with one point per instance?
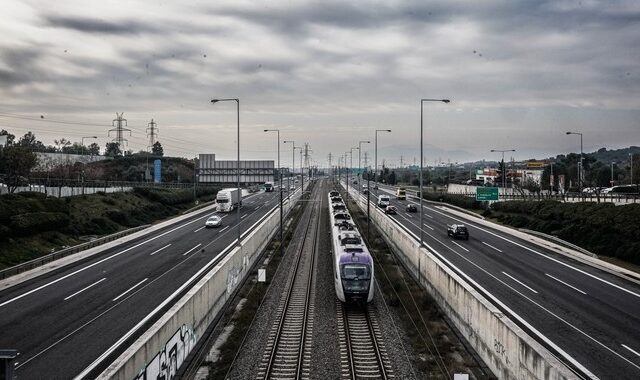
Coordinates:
(352, 263)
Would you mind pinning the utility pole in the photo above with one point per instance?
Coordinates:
(119, 125)
(330, 164)
(401, 161)
(152, 132)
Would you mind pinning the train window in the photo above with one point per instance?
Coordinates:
(355, 271)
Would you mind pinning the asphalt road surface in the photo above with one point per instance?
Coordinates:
(62, 321)
(590, 314)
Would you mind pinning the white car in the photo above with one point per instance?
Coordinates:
(213, 221)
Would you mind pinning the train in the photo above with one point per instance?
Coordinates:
(354, 277)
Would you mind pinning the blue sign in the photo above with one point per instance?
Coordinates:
(156, 171)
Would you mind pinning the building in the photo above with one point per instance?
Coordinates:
(211, 170)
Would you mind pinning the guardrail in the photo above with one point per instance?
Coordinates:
(506, 347)
(191, 309)
(40, 261)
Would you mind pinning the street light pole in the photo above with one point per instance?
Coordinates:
(422, 155)
(214, 101)
(280, 180)
(375, 174)
(360, 163)
(580, 169)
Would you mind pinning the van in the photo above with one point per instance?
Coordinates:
(383, 201)
(401, 193)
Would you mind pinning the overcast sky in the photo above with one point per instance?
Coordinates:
(519, 74)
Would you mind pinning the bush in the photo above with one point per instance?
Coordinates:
(28, 223)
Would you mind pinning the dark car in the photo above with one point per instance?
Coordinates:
(391, 210)
(412, 208)
(458, 231)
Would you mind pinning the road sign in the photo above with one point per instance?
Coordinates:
(486, 193)
(535, 164)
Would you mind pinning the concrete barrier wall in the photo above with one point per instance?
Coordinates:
(161, 350)
(506, 349)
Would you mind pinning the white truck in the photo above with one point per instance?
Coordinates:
(228, 199)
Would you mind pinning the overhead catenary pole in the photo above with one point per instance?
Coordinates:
(280, 180)
(375, 174)
(360, 163)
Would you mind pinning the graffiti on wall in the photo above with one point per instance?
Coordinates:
(165, 365)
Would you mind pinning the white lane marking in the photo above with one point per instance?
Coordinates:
(518, 281)
(429, 227)
(490, 246)
(571, 286)
(518, 317)
(189, 251)
(409, 216)
(631, 349)
(126, 336)
(140, 289)
(96, 263)
(199, 229)
(83, 289)
(158, 250)
(243, 216)
(224, 228)
(540, 254)
(459, 245)
(130, 289)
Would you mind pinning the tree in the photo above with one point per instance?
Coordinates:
(61, 145)
(157, 150)
(94, 149)
(16, 163)
(10, 138)
(29, 140)
(112, 149)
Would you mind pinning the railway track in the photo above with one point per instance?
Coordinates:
(362, 351)
(288, 351)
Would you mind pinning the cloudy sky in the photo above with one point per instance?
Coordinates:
(519, 74)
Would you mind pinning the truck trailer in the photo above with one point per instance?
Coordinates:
(228, 200)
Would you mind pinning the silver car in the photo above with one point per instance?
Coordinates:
(213, 222)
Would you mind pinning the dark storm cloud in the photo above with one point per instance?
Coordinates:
(99, 26)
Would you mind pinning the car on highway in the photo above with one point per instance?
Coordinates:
(365, 191)
(412, 208)
(213, 222)
(292, 187)
(375, 187)
(457, 231)
(383, 201)
(391, 210)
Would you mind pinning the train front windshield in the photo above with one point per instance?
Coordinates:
(356, 278)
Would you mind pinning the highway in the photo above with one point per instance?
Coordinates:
(590, 314)
(62, 321)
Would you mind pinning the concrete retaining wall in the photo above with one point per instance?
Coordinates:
(506, 349)
(162, 349)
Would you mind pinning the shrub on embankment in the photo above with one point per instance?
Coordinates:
(601, 228)
(31, 224)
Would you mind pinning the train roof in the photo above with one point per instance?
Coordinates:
(355, 257)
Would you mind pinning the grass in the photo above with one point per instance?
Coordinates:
(90, 216)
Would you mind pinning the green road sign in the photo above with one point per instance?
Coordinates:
(486, 193)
